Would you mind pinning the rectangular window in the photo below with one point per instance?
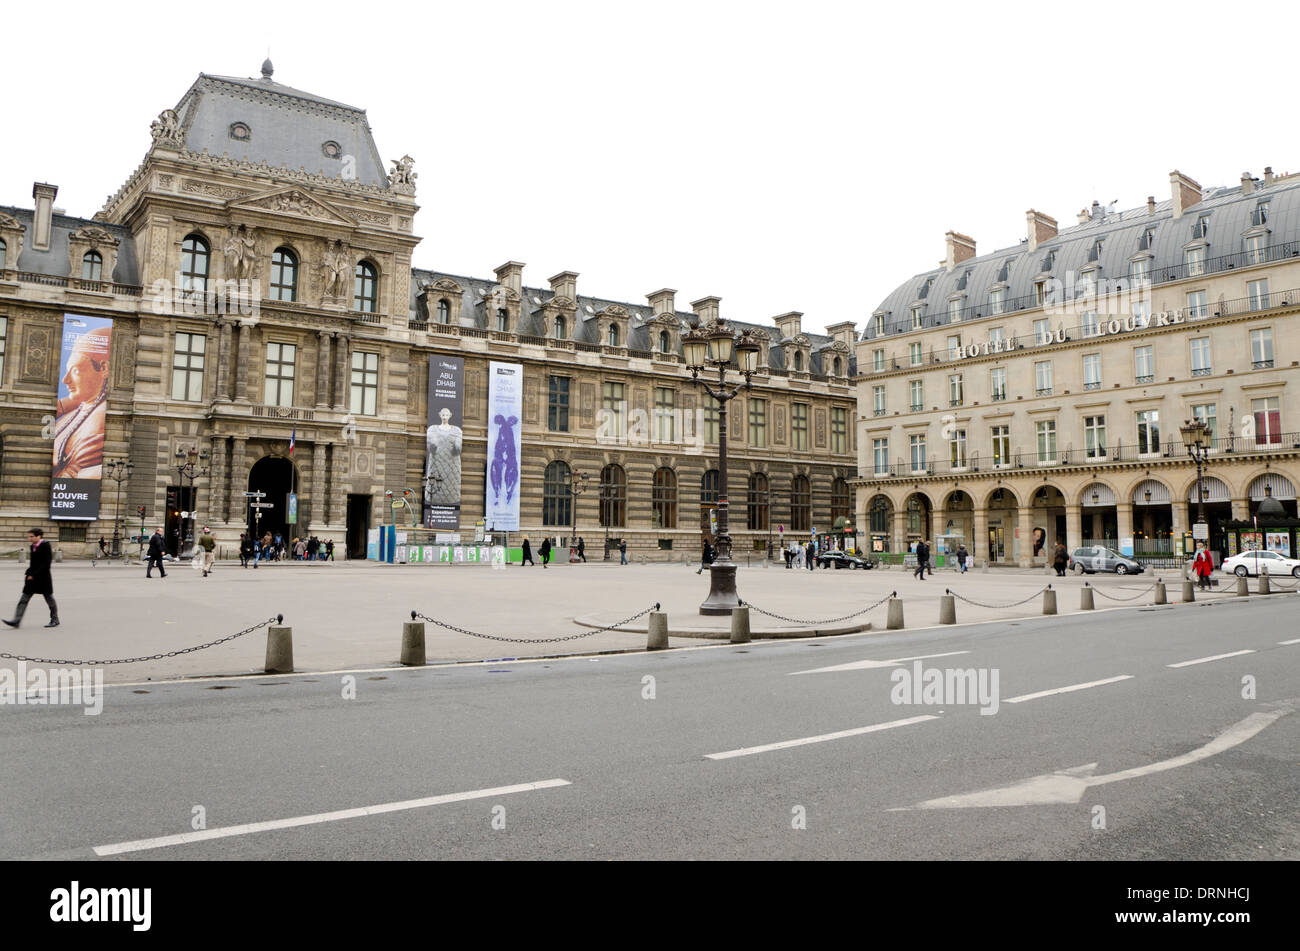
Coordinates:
(880, 456)
(954, 308)
(1040, 292)
(1088, 323)
(954, 344)
(1196, 305)
(1194, 261)
(917, 317)
(999, 381)
(799, 426)
(279, 374)
(1043, 378)
(918, 395)
(997, 301)
(877, 401)
(914, 353)
(1201, 365)
(1092, 371)
(1256, 249)
(758, 423)
(187, 367)
(557, 404)
(1208, 413)
(1268, 420)
(1261, 348)
(839, 430)
(365, 383)
(997, 336)
(957, 449)
(1139, 271)
(956, 391)
(1046, 441)
(879, 321)
(1042, 332)
(1142, 311)
(665, 414)
(1144, 365)
(710, 419)
(1001, 445)
(916, 449)
(878, 360)
(1258, 293)
(614, 407)
(1148, 434)
(1094, 436)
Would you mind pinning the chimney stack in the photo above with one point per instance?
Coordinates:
(661, 301)
(565, 284)
(1247, 184)
(1268, 174)
(1186, 192)
(845, 331)
(959, 247)
(42, 224)
(511, 275)
(706, 308)
(1151, 204)
(1041, 228)
(789, 324)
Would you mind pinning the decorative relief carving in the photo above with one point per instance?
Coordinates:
(166, 129)
(373, 217)
(241, 253)
(532, 399)
(36, 355)
(226, 192)
(473, 396)
(401, 179)
(363, 463)
(779, 436)
(820, 425)
(165, 181)
(588, 392)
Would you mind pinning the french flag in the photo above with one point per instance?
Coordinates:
(293, 437)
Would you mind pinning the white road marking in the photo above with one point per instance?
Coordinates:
(1069, 689)
(871, 664)
(805, 741)
(1206, 660)
(1069, 785)
(1286, 643)
(250, 828)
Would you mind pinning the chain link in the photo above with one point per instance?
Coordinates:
(980, 604)
(534, 640)
(1110, 597)
(135, 660)
(833, 620)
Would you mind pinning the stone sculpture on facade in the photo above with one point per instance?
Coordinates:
(401, 179)
(241, 253)
(166, 129)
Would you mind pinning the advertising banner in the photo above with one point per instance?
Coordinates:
(442, 442)
(505, 402)
(81, 417)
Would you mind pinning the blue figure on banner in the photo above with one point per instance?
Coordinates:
(505, 465)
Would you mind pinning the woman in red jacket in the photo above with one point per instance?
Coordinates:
(1203, 565)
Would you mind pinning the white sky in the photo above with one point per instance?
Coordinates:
(783, 156)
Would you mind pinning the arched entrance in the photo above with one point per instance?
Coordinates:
(1003, 511)
(1100, 516)
(1272, 485)
(917, 518)
(959, 520)
(275, 476)
(1217, 502)
(1153, 521)
(880, 521)
(1048, 517)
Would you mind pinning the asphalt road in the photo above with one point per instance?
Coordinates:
(626, 776)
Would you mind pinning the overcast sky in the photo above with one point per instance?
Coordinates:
(797, 156)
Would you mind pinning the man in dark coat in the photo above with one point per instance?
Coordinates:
(922, 559)
(582, 550)
(37, 580)
(545, 551)
(527, 558)
(810, 558)
(156, 548)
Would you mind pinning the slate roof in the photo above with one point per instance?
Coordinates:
(54, 261)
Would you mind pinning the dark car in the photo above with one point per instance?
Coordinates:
(1098, 558)
(839, 559)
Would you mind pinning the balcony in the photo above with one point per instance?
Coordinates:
(1043, 391)
(1261, 364)
(1095, 385)
(956, 402)
(879, 411)
(999, 395)
(917, 407)
(1149, 378)
(1202, 371)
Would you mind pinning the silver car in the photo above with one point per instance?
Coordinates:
(1097, 558)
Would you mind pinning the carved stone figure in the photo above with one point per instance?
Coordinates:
(401, 178)
(336, 267)
(241, 253)
(166, 128)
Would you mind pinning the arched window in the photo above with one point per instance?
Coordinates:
(613, 335)
(798, 361)
(195, 256)
(665, 498)
(878, 515)
(444, 311)
(284, 275)
(839, 366)
(503, 319)
(556, 501)
(841, 501)
(4, 254)
(92, 266)
(758, 512)
(613, 497)
(559, 328)
(665, 341)
(709, 484)
(365, 288)
(800, 504)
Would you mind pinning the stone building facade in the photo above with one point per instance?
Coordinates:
(267, 317)
(1033, 395)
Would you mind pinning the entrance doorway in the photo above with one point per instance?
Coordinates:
(997, 544)
(358, 525)
(275, 476)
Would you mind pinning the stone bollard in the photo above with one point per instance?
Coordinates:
(1085, 598)
(947, 608)
(1264, 586)
(657, 636)
(740, 625)
(58, 556)
(1049, 600)
(1160, 592)
(1243, 587)
(895, 619)
(1189, 592)
(279, 650)
(413, 644)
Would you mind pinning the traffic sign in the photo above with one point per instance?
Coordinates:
(254, 495)
(261, 505)
(1201, 531)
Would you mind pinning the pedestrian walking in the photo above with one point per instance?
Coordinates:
(1203, 565)
(157, 547)
(706, 558)
(622, 551)
(245, 549)
(582, 550)
(922, 559)
(103, 547)
(788, 552)
(329, 550)
(1060, 559)
(962, 556)
(208, 550)
(545, 551)
(37, 579)
(527, 558)
(810, 556)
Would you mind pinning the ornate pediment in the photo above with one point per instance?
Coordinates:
(95, 237)
(562, 303)
(801, 341)
(295, 202)
(838, 346)
(443, 284)
(615, 311)
(7, 221)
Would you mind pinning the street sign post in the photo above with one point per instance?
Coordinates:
(261, 505)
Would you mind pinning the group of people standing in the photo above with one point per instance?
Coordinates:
(801, 555)
(273, 548)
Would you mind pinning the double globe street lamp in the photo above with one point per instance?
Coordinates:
(191, 464)
(118, 470)
(1196, 437)
(714, 348)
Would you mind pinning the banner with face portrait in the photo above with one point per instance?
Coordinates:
(442, 443)
(505, 409)
(80, 417)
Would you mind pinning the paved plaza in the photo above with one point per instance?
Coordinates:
(350, 614)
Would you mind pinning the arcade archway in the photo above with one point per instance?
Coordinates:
(276, 477)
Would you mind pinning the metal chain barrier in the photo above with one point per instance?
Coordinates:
(980, 604)
(1110, 597)
(135, 660)
(1284, 587)
(791, 620)
(416, 615)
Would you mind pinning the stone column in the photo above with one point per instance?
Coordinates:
(240, 357)
(218, 482)
(238, 480)
(900, 532)
(323, 371)
(318, 473)
(1240, 510)
(1073, 527)
(1123, 522)
(223, 359)
(338, 462)
(1025, 546)
(979, 545)
(342, 346)
(937, 525)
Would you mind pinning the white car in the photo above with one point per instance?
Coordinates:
(1250, 563)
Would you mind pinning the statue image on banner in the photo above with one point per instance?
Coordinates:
(442, 448)
(81, 414)
(443, 444)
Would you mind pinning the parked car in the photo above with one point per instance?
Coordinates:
(1250, 563)
(1097, 558)
(840, 559)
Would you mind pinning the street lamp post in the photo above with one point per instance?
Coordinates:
(1196, 438)
(703, 350)
(579, 482)
(117, 470)
(193, 463)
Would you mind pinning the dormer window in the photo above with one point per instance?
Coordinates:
(925, 288)
(918, 313)
(92, 266)
(838, 367)
(1049, 260)
(1202, 227)
(444, 311)
(1095, 253)
(954, 308)
(1148, 240)
(997, 300)
(1260, 217)
(503, 320)
(879, 320)
(613, 335)
(1256, 248)
(665, 341)
(798, 362)
(559, 328)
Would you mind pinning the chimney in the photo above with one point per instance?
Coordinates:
(1082, 216)
(1185, 191)
(845, 331)
(1151, 204)
(1268, 174)
(565, 284)
(1041, 228)
(959, 247)
(42, 226)
(1097, 210)
(706, 308)
(511, 275)
(661, 301)
(789, 324)
(1247, 184)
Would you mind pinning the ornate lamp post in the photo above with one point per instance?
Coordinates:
(703, 350)
(192, 463)
(118, 470)
(579, 482)
(1196, 437)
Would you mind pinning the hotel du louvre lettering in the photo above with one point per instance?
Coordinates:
(1103, 328)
